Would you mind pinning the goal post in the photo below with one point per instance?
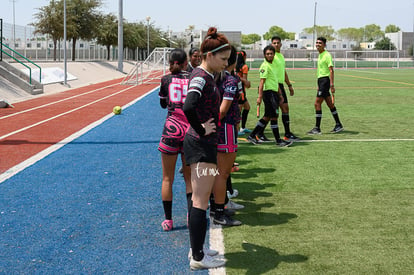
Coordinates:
(372, 59)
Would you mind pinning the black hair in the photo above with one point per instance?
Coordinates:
(240, 61)
(268, 48)
(323, 39)
(276, 38)
(233, 56)
(192, 51)
(177, 58)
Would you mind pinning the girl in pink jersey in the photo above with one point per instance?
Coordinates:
(173, 90)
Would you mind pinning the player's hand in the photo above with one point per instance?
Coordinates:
(209, 126)
(333, 89)
(292, 92)
(259, 101)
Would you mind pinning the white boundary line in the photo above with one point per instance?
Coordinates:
(62, 114)
(32, 160)
(58, 101)
(357, 140)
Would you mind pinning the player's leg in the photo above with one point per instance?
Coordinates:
(168, 170)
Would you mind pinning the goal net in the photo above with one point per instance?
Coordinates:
(371, 59)
(151, 70)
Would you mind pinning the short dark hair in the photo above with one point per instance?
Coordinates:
(268, 48)
(192, 51)
(323, 39)
(276, 38)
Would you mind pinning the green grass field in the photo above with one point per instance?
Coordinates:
(333, 203)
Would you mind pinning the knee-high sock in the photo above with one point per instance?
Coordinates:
(275, 129)
(197, 229)
(286, 122)
(318, 118)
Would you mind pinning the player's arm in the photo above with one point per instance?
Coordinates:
(189, 109)
(261, 85)
(289, 84)
(246, 82)
(331, 77)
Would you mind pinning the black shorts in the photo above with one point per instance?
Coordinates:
(282, 88)
(242, 98)
(271, 103)
(324, 84)
(198, 151)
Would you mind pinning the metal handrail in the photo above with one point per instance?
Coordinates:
(30, 69)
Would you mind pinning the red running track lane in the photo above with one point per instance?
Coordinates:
(36, 124)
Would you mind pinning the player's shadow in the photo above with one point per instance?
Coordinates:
(256, 259)
(257, 218)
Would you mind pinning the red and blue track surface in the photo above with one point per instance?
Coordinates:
(80, 187)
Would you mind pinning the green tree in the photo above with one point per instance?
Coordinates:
(373, 32)
(384, 44)
(250, 38)
(392, 28)
(82, 20)
(325, 31)
(355, 34)
(276, 30)
(50, 22)
(107, 32)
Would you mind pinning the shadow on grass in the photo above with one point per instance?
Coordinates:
(256, 259)
(256, 218)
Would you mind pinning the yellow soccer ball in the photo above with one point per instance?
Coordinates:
(117, 110)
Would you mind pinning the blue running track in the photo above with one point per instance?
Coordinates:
(94, 206)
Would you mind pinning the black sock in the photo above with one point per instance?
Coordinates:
(261, 132)
(229, 185)
(189, 202)
(335, 115)
(275, 130)
(244, 118)
(259, 127)
(318, 119)
(167, 209)
(219, 211)
(198, 229)
(286, 123)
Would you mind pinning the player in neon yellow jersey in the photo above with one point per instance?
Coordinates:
(270, 93)
(325, 75)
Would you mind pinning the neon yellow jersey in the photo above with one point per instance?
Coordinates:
(268, 72)
(280, 65)
(324, 62)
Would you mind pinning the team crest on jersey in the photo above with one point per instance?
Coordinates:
(262, 71)
(231, 89)
(197, 82)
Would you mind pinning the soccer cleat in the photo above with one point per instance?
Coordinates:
(228, 212)
(252, 140)
(226, 220)
(290, 137)
(315, 131)
(338, 128)
(231, 205)
(207, 251)
(263, 138)
(232, 195)
(167, 225)
(206, 263)
(284, 143)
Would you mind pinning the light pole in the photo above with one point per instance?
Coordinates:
(148, 31)
(14, 27)
(120, 37)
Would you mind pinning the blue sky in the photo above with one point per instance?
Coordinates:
(246, 16)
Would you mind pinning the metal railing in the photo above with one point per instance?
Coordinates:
(25, 58)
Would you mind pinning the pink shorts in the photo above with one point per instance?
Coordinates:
(227, 139)
(172, 138)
